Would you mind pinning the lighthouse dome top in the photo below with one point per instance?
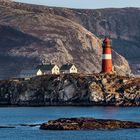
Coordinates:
(107, 40)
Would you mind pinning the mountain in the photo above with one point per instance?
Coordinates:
(32, 34)
(122, 25)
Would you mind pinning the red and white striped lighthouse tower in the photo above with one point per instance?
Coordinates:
(107, 56)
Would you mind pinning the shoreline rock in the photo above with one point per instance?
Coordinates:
(71, 90)
(87, 124)
(3, 126)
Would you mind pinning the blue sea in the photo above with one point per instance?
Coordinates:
(29, 115)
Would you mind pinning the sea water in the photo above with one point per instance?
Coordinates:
(31, 115)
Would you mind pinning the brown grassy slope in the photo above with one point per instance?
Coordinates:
(37, 33)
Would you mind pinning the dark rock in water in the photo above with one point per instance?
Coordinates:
(7, 126)
(30, 125)
(87, 124)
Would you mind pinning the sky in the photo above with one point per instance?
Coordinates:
(90, 4)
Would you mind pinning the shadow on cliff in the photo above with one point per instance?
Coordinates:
(11, 37)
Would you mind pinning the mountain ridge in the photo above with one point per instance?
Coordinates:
(58, 38)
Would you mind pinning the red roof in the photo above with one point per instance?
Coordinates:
(106, 40)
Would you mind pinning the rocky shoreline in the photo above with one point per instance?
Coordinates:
(87, 124)
(71, 90)
(79, 124)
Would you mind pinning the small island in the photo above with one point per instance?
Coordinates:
(87, 124)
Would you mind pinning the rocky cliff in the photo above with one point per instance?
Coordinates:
(31, 34)
(97, 89)
(122, 25)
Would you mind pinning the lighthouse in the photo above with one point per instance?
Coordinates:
(107, 56)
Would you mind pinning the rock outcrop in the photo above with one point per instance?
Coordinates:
(96, 89)
(31, 34)
(87, 124)
(6, 127)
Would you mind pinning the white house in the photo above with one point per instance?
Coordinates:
(68, 68)
(49, 69)
(27, 74)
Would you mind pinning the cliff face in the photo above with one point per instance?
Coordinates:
(31, 34)
(122, 25)
(72, 90)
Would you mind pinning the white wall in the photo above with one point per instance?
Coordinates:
(56, 70)
(39, 73)
(73, 69)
